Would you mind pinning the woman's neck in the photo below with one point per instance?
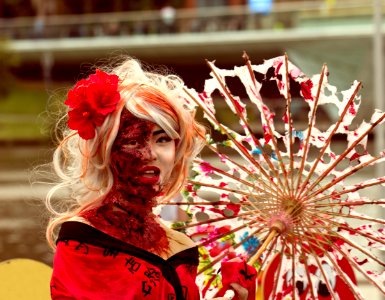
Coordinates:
(129, 217)
(131, 201)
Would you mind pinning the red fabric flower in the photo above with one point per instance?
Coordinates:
(91, 100)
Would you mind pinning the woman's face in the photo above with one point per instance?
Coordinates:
(143, 154)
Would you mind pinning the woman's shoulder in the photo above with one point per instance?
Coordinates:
(178, 241)
(79, 228)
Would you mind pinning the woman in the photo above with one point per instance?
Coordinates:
(129, 143)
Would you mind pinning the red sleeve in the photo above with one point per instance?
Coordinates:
(187, 275)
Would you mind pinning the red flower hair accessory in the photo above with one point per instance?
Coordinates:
(91, 100)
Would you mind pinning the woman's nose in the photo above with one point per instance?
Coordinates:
(149, 153)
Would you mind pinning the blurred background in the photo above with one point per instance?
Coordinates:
(47, 45)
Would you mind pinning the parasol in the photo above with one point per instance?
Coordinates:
(283, 185)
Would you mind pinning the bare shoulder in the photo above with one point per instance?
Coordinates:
(180, 237)
(178, 241)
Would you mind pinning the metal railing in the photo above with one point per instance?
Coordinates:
(209, 19)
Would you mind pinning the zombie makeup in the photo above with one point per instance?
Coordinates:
(142, 157)
(130, 154)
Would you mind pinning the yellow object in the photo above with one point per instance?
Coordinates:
(24, 279)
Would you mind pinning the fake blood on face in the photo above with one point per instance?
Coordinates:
(130, 155)
(126, 212)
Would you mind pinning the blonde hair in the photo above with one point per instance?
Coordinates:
(83, 165)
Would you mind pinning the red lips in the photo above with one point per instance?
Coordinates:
(148, 175)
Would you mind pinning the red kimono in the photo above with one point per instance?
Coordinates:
(90, 264)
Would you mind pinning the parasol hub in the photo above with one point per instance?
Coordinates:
(293, 207)
(281, 222)
(278, 226)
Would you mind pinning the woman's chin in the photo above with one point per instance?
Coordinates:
(156, 187)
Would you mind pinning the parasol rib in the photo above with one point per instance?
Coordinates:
(344, 154)
(328, 140)
(273, 139)
(239, 147)
(218, 259)
(311, 124)
(290, 124)
(213, 220)
(361, 186)
(248, 130)
(342, 177)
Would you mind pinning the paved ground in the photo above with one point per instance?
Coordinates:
(23, 216)
(22, 231)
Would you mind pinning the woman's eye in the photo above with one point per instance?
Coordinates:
(164, 139)
(130, 144)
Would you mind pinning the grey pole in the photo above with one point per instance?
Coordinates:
(378, 72)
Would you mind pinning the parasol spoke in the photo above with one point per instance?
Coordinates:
(263, 151)
(351, 216)
(329, 138)
(345, 153)
(279, 157)
(311, 123)
(289, 120)
(241, 167)
(361, 186)
(353, 263)
(355, 246)
(361, 249)
(223, 188)
(307, 270)
(210, 240)
(223, 173)
(278, 276)
(253, 175)
(239, 146)
(248, 202)
(325, 277)
(343, 176)
(227, 251)
(320, 244)
(345, 278)
(363, 234)
(293, 269)
(213, 220)
(319, 264)
(356, 202)
(245, 124)
(205, 202)
(349, 229)
(211, 168)
(268, 126)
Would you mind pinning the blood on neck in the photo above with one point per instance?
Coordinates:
(126, 211)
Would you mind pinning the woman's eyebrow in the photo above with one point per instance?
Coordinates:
(157, 132)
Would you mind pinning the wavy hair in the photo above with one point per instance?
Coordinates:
(82, 166)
